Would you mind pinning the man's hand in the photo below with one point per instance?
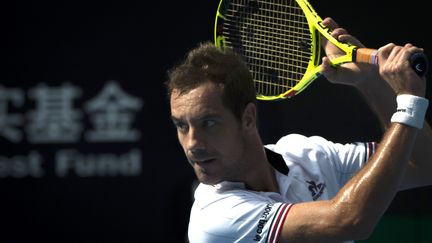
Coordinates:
(397, 71)
(350, 73)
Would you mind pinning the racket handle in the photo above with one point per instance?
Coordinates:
(419, 62)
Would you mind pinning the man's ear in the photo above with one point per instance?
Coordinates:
(249, 117)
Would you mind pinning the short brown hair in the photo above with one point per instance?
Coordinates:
(207, 63)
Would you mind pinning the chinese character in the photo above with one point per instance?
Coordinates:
(112, 114)
(54, 119)
(8, 122)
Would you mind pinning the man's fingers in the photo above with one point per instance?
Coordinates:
(326, 69)
(384, 52)
(350, 39)
(330, 23)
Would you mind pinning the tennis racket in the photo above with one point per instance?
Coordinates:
(280, 42)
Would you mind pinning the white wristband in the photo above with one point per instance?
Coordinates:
(411, 110)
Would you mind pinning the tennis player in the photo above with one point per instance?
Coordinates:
(299, 189)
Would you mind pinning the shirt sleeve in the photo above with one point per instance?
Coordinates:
(348, 158)
(236, 216)
(332, 159)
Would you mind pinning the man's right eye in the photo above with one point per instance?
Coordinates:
(182, 127)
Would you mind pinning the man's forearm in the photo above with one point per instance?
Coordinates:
(370, 192)
(420, 169)
(354, 212)
(382, 100)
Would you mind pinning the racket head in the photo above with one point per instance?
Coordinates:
(280, 45)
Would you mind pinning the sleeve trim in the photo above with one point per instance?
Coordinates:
(277, 223)
(370, 150)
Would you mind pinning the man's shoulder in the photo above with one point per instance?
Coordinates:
(220, 191)
(299, 139)
(234, 214)
(299, 145)
(228, 194)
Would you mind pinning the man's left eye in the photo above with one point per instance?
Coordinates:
(209, 123)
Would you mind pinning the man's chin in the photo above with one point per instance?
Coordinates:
(209, 181)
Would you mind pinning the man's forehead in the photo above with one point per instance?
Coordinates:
(206, 91)
(205, 98)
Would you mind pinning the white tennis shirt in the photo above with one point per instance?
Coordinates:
(309, 168)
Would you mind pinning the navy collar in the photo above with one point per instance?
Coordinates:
(277, 161)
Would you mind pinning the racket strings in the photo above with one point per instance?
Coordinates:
(273, 37)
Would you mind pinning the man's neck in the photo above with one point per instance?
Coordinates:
(262, 176)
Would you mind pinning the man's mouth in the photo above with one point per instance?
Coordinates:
(203, 161)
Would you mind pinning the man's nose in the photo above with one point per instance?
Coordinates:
(195, 141)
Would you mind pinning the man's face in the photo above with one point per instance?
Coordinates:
(210, 135)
